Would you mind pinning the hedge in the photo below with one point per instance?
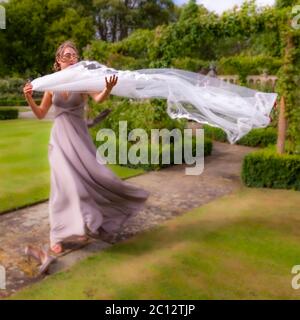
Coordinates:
(214, 133)
(6, 102)
(6, 114)
(258, 137)
(267, 169)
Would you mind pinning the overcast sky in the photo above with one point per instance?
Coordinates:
(220, 5)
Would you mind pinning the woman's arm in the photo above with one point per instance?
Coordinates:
(39, 111)
(101, 96)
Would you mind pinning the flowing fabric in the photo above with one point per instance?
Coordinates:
(83, 192)
(204, 99)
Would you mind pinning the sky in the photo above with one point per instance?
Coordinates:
(220, 5)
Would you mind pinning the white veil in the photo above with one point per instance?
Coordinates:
(190, 95)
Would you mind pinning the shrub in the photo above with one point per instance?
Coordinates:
(244, 65)
(6, 114)
(266, 168)
(190, 64)
(143, 114)
(11, 92)
(13, 102)
(11, 86)
(214, 133)
(258, 137)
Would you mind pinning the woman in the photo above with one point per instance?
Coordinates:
(86, 198)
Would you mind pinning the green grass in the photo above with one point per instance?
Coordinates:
(24, 167)
(241, 246)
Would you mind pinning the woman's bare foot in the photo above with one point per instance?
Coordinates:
(57, 248)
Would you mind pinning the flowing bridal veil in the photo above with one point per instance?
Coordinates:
(190, 95)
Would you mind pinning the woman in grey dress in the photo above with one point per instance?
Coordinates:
(86, 197)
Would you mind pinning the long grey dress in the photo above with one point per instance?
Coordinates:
(83, 191)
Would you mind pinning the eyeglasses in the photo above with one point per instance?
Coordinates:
(69, 56)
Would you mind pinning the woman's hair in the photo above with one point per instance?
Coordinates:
(60, 52)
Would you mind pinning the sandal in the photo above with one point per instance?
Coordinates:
(101, 235)
(41, 256)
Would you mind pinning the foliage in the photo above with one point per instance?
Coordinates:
(6, 114)
(128, 54)
(288, 84)
(244, 40)
(258, 137)
(146, 115)
(214, 133)
(248, 65)
(36, 28)
(191, 64)
(114, 20)
(266, 168)
(11, 86)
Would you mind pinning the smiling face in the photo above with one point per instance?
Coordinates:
(68, 57)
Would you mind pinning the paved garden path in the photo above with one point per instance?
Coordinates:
(172, 193)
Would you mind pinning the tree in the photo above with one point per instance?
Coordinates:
(285, 3)
(36, 28)
(116, 19)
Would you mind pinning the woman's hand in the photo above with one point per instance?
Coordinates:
(112, 82)
(27, 90)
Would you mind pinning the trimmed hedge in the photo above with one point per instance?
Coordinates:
(6, 102)
(208, 145)
(214, 133)
(267, 169)
(258, 137)
(6, 114)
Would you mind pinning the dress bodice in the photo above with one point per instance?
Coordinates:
(74, 104)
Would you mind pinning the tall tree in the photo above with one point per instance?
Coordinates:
(116, 19)
(35, 28)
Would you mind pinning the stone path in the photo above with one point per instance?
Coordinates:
(172, 193)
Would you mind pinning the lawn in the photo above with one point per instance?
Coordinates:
(24, 167)
(241, 246)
